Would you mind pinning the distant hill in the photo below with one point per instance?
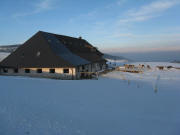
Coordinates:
(176, 61)
(3, 55)
(115, 58)
(8, 48)
(151, 56)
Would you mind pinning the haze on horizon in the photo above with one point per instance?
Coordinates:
(111, 25)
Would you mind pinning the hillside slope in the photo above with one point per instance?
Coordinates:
(113, 57)
(108, 106)
(8, 48)
(3, 55)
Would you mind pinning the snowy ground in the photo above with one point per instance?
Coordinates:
(116, 104)
(151, 75)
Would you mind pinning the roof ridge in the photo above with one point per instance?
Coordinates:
(62, 35)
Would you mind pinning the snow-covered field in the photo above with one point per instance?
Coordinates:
(150, 75)
(116, 104)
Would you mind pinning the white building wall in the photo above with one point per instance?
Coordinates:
(59, 74)
(74, 73)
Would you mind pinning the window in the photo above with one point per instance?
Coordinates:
(15, 70)
(66, 70)
(27, 70)
(83, 67)
(78, 69)
(5, 70)
(51, 70)
(38, 54)
(39, 70)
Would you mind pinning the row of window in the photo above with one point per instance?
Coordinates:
(52, 70)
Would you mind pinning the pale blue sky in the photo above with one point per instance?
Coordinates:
(105, 23)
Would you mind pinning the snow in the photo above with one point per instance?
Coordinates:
(154, 64)
(149, 75)
(115, 63)
(118, 103)
(3, 55)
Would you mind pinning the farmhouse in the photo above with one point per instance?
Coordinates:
(54, 56)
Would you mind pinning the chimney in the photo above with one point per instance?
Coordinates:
(80, 37)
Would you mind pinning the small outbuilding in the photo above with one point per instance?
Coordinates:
(54, 56)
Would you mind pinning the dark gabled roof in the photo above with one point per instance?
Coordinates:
(51, 50)
(60, 50)
(81, 48)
